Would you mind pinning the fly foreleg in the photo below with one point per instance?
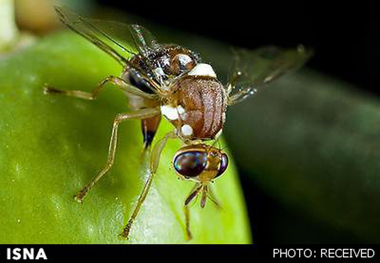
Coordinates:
(194, 193)
(118, 82)
(154, 162)
(140, 114)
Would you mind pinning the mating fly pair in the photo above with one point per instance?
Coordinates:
(172, 81)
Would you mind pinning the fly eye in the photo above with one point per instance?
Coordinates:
(223, 165)
(139, 82)
(182, 63)
(190, 164)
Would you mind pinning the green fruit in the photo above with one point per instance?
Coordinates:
(52, 145)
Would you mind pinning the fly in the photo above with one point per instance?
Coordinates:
(172, 81)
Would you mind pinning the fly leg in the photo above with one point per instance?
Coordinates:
(154, 162)
(119, 82)
(212, 197)
(193, 193)
(140, 114)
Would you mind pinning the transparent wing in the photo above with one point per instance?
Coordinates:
(252, 70)
(144, 40)
(119, 40)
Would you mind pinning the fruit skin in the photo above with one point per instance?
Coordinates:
(52, 145)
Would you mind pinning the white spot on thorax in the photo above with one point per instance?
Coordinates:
(172, 113)
(202, 70)
(180, 110)
(184, 59)
(186, 130)
(169, 112)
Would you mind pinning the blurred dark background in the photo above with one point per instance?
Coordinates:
(345, 37)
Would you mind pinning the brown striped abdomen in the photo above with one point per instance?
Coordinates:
(204, 101)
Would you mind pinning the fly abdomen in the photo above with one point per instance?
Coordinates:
(198, 107)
